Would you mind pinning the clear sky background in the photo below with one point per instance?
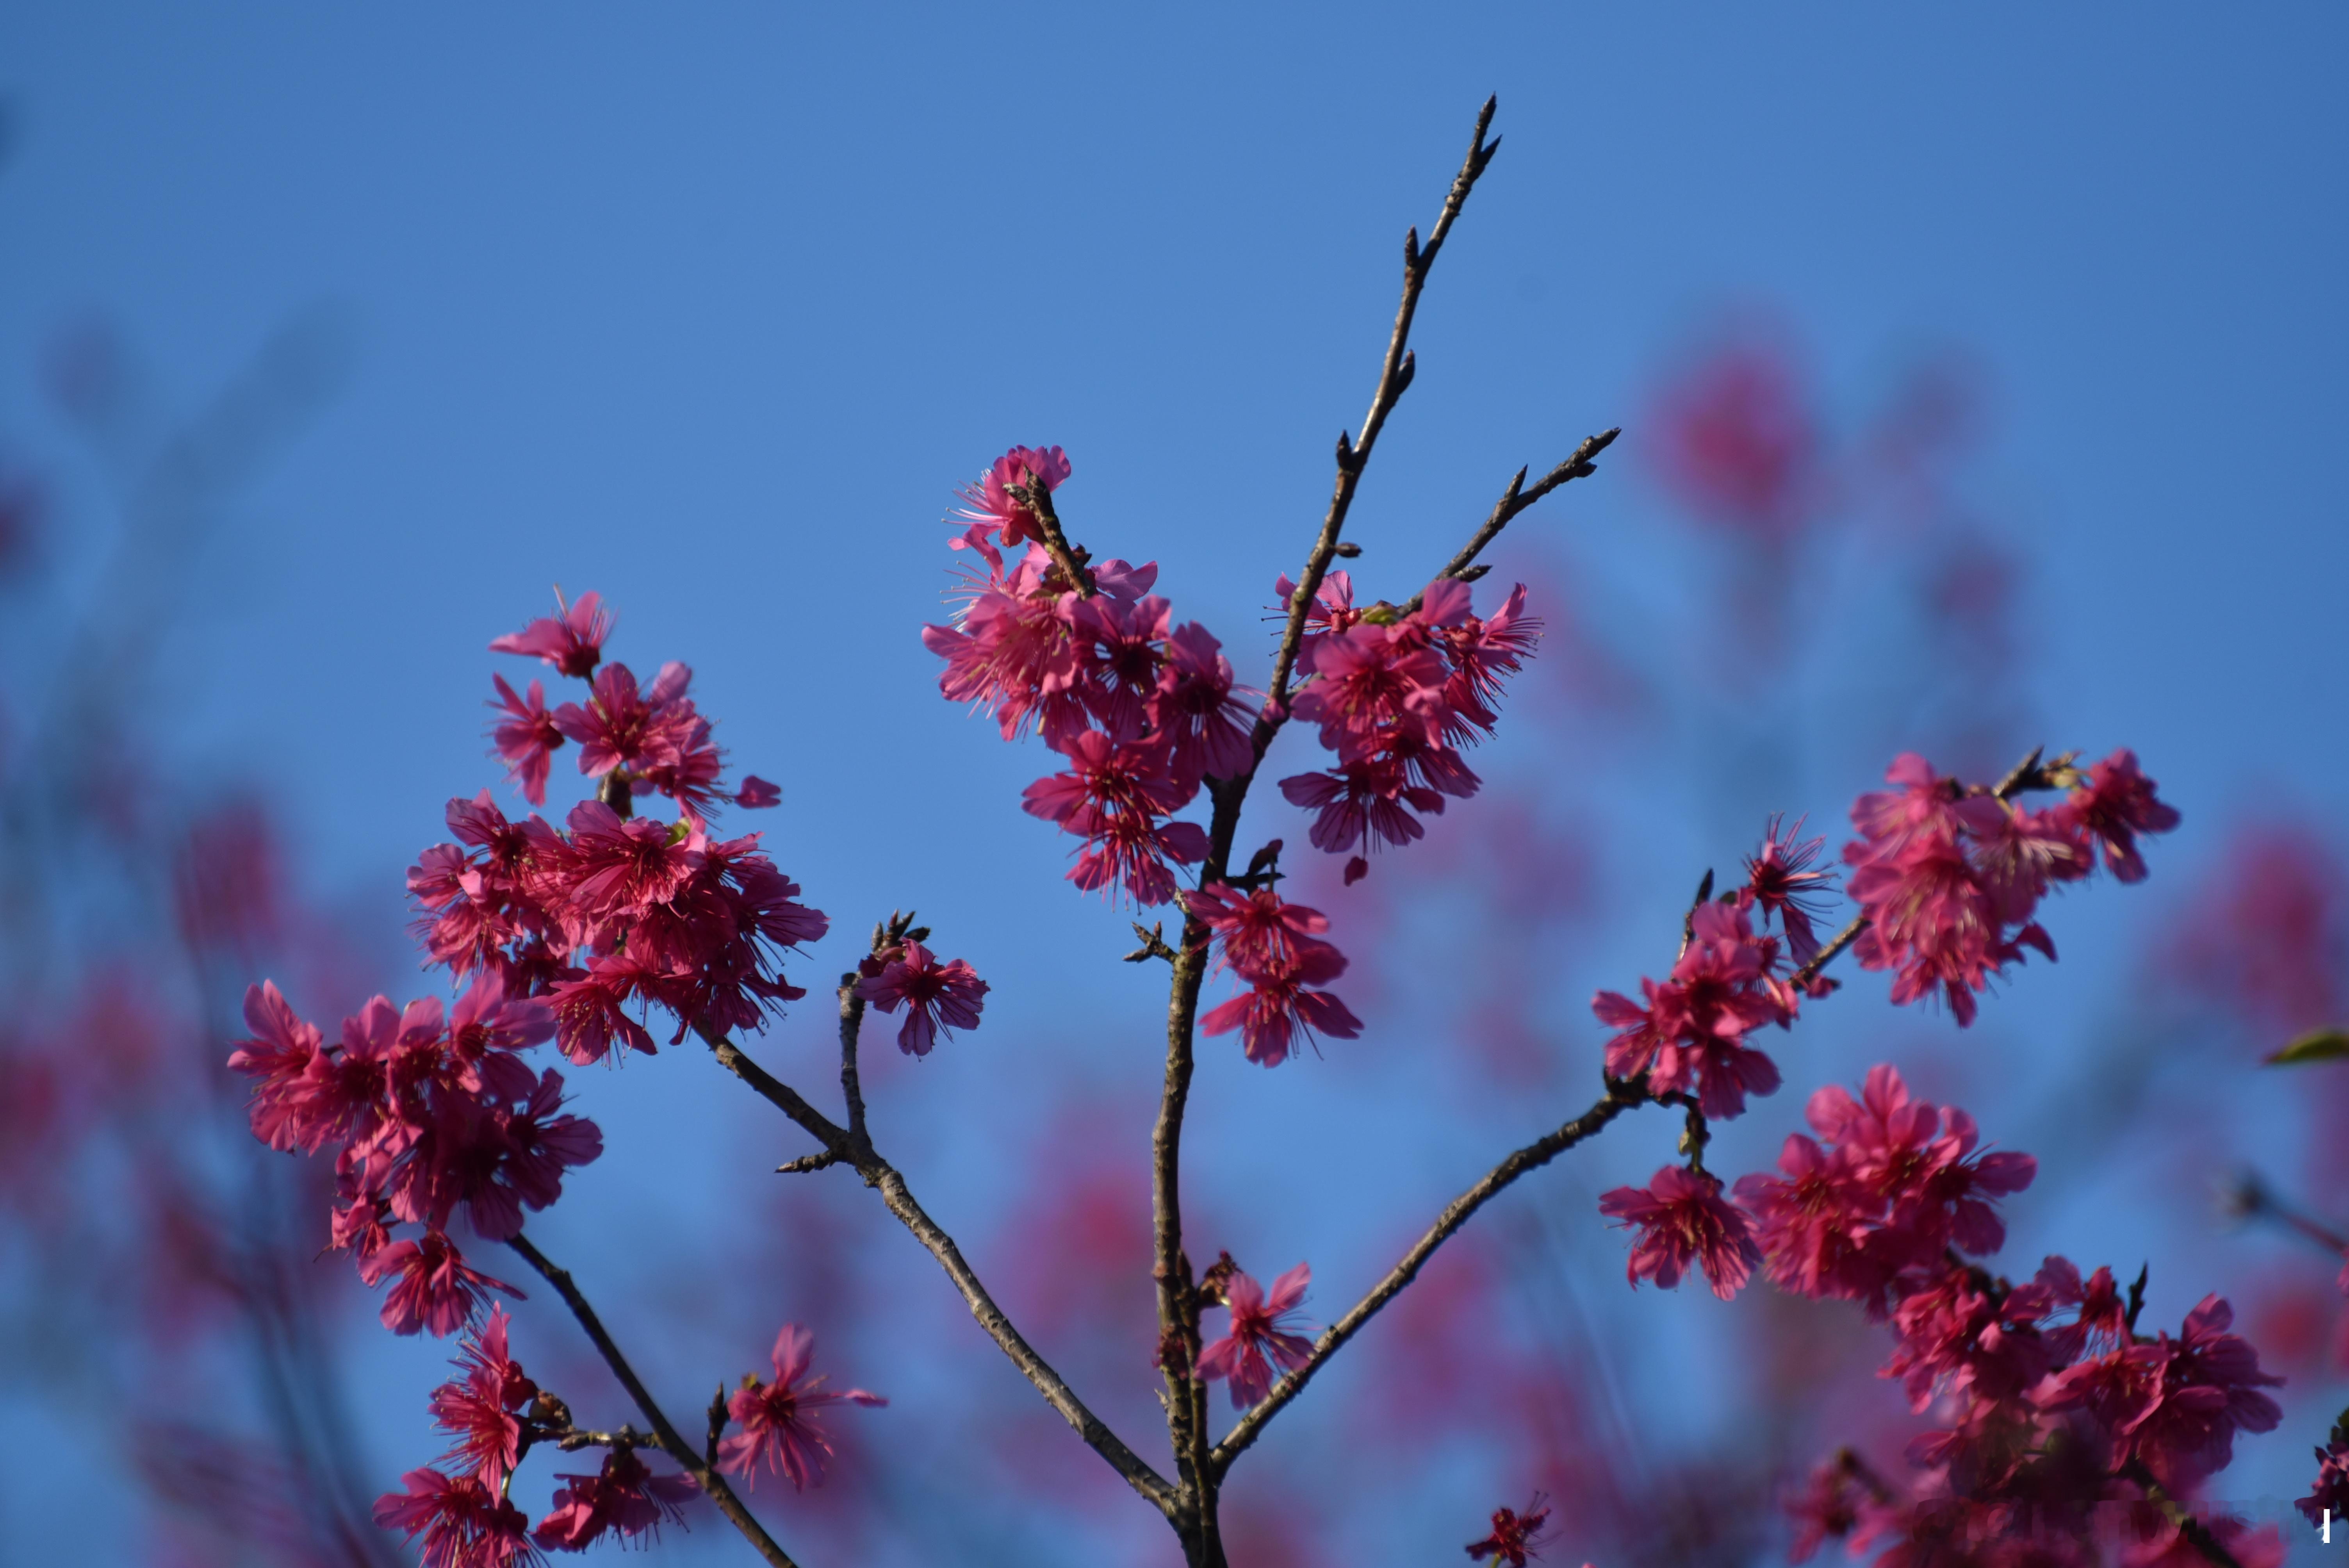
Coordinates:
(710, 308)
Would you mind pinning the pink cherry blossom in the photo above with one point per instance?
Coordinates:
(2115, 805)
(278, 1059)
(591, 1010)
(1263, 1331)
(571, 642)
(989, 502)
(1513, 1536)
(1779, 881)
(1278, 1010)
(1257, 933)
(481, 1408)
(756, 794)
(625, 865)
(1204, 720)
(778, 1419)
(1482, 652)
(1682, 1218)
(1690, 1037)
(526, 737)
(464, 1522)
(433, 1288)
(1124, 664)
(937, 997)
(624, 1499)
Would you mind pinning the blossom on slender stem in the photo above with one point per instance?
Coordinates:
(2115, 805)
(465, 1523)
(526, 737)
(278, 1057)
(1682, 1218)
(1202, 717)
(936, 996)
(624, 1498)
(989, 502)
(1276, 1009)
(1780, 881)
(433, 1288)
(1691, 1035)
(1263, 1331)
(778, 1419)
(571, 642)
(481, 1408)
(1257, 931)
(1513, 1535)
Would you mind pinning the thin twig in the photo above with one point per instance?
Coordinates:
(1622, 1096)
(1067, 557)
(1057, 1393)
(878, 1173)
(1687, 921)
(1353, 456)
(1194, 1510)
(705, 1474)
(1516, 499)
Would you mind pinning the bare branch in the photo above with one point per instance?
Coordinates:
(854, 1149)
(705, 1474)
(1516, 499)
(999, 1328)
(1622, 1096)
(1353, 456)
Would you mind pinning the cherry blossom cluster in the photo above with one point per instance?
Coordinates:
(1398, 694)
(1950, 876)
(1142, 710)
(1275, 947)
(1263, 1332)
(569, 934)
(2057, 1409)
(553, 935)
(1688, 1032)
(458, 1509)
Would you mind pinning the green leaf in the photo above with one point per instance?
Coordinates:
(2318, 1045)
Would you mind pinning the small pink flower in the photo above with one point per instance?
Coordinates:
(526, 737)
(433, 1288)
(1682, 1218)
(1779, 881)
(936, 996)
(756, 794)
(571, 643)
(989, 502)
(481, 1408)
(464, 1524)
(2116, 804)
(1259, 932)
(1203, 719)
(778, 1419)
(625, 865)
(1513, 1535)
(1276, 1009)
(1261, 1328)
(278, 1057)
(626, 1498)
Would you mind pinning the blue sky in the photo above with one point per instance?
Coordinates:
(710, 312)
